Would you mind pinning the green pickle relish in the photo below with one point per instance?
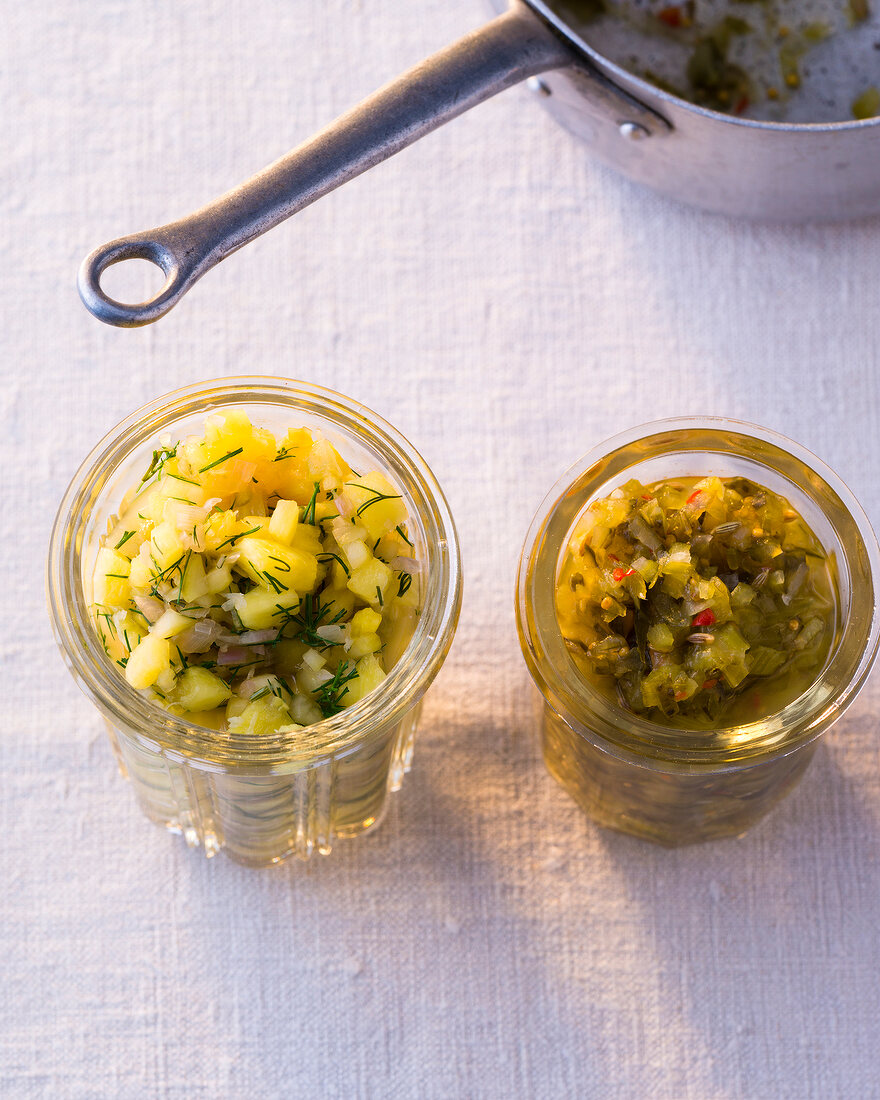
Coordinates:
(697, 603)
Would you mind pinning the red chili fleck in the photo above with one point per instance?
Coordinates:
(741, 105)
(618, 575)
(647, 496)
(614, 557)
(679, 695)
(693, 496)
(707, 684)
(704, 618)
(671, 16)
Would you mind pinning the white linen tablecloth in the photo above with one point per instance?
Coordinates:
(507, 303)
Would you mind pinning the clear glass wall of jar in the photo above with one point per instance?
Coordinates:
(664, 784)
(260, 799)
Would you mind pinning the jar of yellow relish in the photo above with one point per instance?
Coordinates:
(260, 796)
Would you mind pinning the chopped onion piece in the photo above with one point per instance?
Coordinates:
(405, 565)
(187, 516)
(234, 655)
(150, 606)
(257, 637)
(200, 636)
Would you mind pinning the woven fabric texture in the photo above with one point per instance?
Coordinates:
(507, 303)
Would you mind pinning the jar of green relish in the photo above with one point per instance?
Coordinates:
(712, 756)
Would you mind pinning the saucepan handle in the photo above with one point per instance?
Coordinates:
(513, 47)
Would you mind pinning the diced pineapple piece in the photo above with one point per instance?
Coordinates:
(365, 621)
(221, 529)
(236, 706)
(370, 675)
(165, 546)
(176, 490)
(370, 581)
(295, 445)
(357, 553)
(378, 505)
(141, 569)
(165, 680)
(126, 541)
(337, 600)
(305, 711)
(285, 517)
(148, 660)
(276, 567)
(339, 573)
(308, 539)
(290, 471)
(259, 609)
(260, 717)
(327, 466)
(366, 643)
(199, 689)
(218, 579)
(130, 627)
(111, 585)
(195, 581)
(169, 623)
(312, 659)
(325, 509)
(310, 679)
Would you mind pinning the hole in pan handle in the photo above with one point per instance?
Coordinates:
(509, 49)
(158, 246)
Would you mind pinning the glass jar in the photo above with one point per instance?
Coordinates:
(258, 798)
(669, 785)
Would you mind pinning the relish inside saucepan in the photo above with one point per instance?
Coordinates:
(698, 603)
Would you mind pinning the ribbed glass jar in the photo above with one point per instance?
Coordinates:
(677, 786)
(259, 799)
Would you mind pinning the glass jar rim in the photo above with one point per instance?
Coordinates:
(405, 682)
(622, 731)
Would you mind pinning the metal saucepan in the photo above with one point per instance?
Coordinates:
(774, 171)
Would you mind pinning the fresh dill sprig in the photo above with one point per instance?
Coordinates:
(309, 511)
(309, 615)
(160, 457)
(376, 497)
(330, 694)
(399, 529)
(126, 536)
(164, 574)
(278, 586)
(328, 556)
(405, 580)
(235, 538)
(217, 461)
